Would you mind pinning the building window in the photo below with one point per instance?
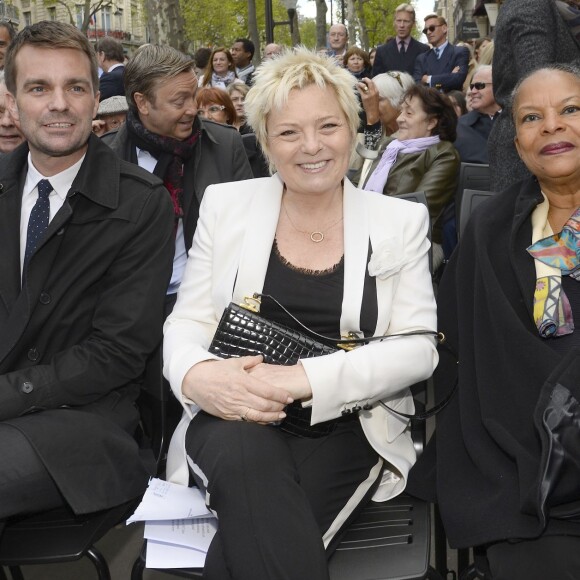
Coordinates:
(27, 18)
(106, 18)
(52, 14)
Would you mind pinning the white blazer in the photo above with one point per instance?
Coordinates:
(228, 261)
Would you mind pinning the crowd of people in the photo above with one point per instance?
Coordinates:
(140, 196)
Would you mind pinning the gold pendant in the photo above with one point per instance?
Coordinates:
(317, 237)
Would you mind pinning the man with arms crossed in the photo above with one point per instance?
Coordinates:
(86, 254)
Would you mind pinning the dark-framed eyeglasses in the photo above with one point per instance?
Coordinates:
(479, 86)
(431, 28)
(210, 109)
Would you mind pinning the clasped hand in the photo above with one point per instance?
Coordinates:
(245, 387)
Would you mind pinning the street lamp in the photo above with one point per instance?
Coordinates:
(290, 6)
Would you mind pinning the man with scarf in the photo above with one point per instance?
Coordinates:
(164, 135)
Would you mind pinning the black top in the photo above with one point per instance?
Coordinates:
(314, 297)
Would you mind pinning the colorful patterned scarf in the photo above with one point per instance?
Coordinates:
(170, 153)
(554, 255)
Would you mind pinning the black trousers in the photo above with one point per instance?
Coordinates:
(546, 558)
(282, 501)
(25, 484)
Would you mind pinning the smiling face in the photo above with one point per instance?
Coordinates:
(482, 100)
(413, 121)
(171, 111)
(547, 119)
(220, 63)
(54, 105)
(337, 37)
(309, 141)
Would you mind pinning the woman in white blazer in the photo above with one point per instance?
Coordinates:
(343, 260)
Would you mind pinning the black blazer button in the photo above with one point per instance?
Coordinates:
(27, 387)
(367, 407)
(44, 298)
(32, 355)
(357, 408)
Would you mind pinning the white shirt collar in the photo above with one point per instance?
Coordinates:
(61, 182)
(114, 66)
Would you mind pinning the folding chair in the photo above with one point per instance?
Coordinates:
(471, 176)
(472, 198)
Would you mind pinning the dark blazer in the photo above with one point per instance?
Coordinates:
(440, 69)
(74, 340)
(472, 133)
(529, 34)
(219, 157)
(491, 448)
(112, 83)
(389, 58)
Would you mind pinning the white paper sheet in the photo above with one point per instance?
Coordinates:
(160, 555)
(169, 501)
(197, 533)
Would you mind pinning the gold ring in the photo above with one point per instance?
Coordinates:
(365, 89)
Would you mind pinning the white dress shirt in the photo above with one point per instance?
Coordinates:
(61, 184)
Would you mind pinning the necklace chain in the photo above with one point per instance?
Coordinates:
(316, 236)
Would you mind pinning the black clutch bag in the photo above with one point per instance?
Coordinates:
(243, 332)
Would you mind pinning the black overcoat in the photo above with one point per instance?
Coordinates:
(75, 337)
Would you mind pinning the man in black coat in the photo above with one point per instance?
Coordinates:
(111, 59)
(164, 135)
(86, 255)
(473, 129)
(445, 66)
(399, 53)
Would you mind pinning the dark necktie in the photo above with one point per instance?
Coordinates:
(39, 218)
(402, 47)
(437, 53)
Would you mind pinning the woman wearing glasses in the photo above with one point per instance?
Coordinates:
(215, 105)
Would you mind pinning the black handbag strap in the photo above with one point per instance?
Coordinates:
(354, 341)
(361, 341)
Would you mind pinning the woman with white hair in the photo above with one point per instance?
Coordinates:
(288, 455)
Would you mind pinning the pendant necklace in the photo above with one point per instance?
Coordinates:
(316, 236)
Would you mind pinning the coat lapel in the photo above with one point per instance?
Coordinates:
(261, 223)
(521, 238)
(10, 202)
(356, 240)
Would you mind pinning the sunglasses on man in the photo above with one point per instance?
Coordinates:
(431, 28)
(479, 86)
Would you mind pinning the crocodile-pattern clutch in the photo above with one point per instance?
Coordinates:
(242, 332)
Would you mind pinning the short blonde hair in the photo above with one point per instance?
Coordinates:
(276, 78)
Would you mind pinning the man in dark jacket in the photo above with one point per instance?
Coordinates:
(400, 52)
(473, 129)
(111, 60)
(444, 67)
(164, 135)
(86, 255)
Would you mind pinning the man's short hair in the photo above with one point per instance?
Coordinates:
(248, 46)
(9, 27)
(440, 19)
(112, 48)
(53, 35)
(201, 57)
(150, 65)
(406, 8)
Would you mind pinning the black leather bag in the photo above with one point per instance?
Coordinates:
(243, 332)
